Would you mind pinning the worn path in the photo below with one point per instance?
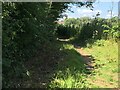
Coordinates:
(88, 59)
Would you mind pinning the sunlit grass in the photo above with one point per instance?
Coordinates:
(106, 60)
(71, 72)
(68, 80)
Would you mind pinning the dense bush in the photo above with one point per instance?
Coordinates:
(27, 29)
(112, 31)
(94, 28)
(65, 32)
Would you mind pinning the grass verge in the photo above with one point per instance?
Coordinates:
(71, 72)
(106, 64)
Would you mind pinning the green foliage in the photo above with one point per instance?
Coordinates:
(112, 32)
(100, 42)
(71, 72)
(28, 28)
(87, 28)
(65, 32)
(77, 23)
(68, 80)
(93, 29)
(96, 28)
(86, 32)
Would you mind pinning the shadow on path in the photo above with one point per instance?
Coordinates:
(41, 73)
(87, 58)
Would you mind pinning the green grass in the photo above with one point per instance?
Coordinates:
(106, 61)
(71, 71)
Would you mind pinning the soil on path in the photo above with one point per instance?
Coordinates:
(87, 58)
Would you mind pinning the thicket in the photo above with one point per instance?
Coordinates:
(65, 32)
(92, 28)
(28, 28)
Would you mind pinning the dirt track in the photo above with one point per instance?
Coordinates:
(88, 59)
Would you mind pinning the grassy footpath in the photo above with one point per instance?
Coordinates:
(71, 72)
(105, 74)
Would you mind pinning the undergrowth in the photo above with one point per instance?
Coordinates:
(71, 72)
